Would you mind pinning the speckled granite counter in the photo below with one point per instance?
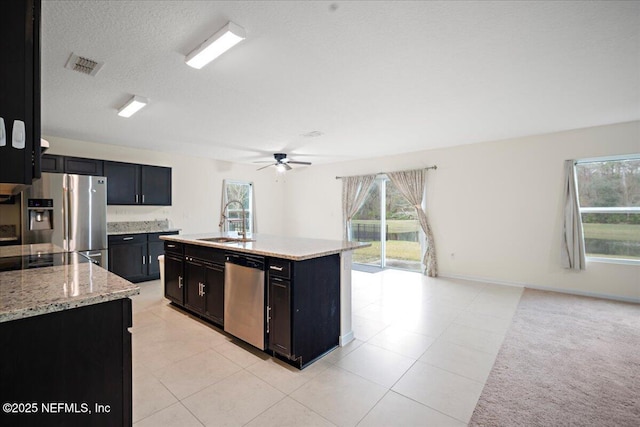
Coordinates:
(32, 292)
(138, 227)
(293, 248)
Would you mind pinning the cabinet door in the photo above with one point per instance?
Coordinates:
(214, 293)
(173, 279)
(129, 260)
(280, 316)
(155, 184)
(123, 186)
(20, 90)
(81, 166)
(52, 163)
(194, 285)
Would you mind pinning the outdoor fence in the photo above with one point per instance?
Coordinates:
(371, 232)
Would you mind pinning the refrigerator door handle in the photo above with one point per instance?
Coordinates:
(65, 213)
(70, 214)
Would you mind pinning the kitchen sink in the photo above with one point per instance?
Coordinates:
(226, 240)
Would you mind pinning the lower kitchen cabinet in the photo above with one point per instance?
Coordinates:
(304, 308)
(204, 285)
(135, 256)
(75, 357)
(174, 278)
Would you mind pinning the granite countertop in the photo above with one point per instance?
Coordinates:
(293, 248)
(35, 249)
(36, 291)
(139, 227)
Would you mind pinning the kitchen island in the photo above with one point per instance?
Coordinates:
(305, 291)
(65, 347)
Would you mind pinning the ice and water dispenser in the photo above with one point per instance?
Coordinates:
(40, 214)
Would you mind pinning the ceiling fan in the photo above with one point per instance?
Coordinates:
(282, 163)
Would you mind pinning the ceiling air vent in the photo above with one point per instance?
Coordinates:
(83, 65)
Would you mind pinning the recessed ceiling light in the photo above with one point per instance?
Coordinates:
(227, 37)
(132, 106)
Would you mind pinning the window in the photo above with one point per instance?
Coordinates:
(242, 192)
(399, 246)
(609, 196)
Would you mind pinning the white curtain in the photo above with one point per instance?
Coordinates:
(354, 191)
(573, 253)
(411, 185)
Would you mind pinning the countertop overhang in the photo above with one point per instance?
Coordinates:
(32, 292)
(293, 248)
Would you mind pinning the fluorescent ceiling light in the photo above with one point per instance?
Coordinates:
(228, 36)
(132, 106)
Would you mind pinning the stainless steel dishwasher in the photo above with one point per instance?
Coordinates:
(244, 309)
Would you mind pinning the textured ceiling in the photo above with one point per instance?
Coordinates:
(376, 78)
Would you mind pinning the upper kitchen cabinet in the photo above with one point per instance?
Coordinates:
(133, 184)
(19, 94)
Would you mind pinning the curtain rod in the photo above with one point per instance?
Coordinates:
(434, 167)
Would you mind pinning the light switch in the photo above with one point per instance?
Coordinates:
(3, 133)
(19, 136)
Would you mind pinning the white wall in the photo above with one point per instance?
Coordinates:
(196, 187)
(495, 207)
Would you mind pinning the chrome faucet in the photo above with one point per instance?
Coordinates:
(244, 216)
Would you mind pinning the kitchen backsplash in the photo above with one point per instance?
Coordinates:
(138, 226)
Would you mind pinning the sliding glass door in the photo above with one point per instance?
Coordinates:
(389, 222)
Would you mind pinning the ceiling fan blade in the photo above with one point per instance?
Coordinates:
(299, 163)
(264, 167)
(286, 166)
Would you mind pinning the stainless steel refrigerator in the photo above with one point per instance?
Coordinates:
(69, 211)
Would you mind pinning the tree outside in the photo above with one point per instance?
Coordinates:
(610, 184)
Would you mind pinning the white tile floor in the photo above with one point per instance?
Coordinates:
(423, 351)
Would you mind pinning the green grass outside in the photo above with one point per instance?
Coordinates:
(612, 231)
(396, 249)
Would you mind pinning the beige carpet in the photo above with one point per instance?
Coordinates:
(566, 361)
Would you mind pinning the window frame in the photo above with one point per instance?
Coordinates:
(250, 211)
(607, 210)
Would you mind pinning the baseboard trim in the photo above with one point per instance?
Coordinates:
(542, 288)
(346, 339)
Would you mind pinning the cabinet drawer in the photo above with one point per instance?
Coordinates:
(155, 237)
(279, 268)
(173, 248)
(205, 254)
(127, 239)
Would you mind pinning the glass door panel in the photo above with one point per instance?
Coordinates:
(365, 227)
(402, 244)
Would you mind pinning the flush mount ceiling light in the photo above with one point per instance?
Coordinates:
(132, 106)
(228, 36)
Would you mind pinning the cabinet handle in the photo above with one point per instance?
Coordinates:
(268, 317)
(144, 260)
(127, 238)
(171, 246)
(149, 259)
(276, 268)
(136, 198)
(179, 281)
(143, 198)
(201, 289)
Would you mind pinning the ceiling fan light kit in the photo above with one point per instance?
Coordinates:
(227, 37)
(282, 163)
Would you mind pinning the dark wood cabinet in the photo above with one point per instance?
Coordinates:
(82, 166)
(19, 93)
(128, 256)
(204, 283)
(174, 272)
(135, 256)
(123, 185)
(279, 314)
(134, 184)
(52, 163)
(303, 308)
(155, 185)
(74, 356)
